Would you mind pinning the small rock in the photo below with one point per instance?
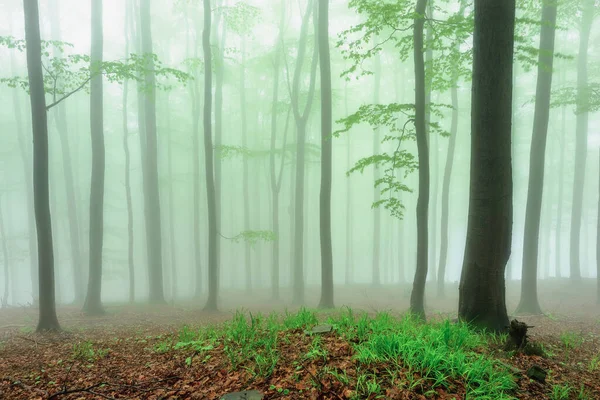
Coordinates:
(537, 373)
(325, 328)
(247, 395)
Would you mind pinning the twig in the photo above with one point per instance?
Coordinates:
(88, 389)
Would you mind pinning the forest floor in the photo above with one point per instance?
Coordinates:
(372, 351)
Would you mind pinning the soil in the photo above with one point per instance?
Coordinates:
(42, 366)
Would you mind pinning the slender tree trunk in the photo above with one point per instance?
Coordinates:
(130, 241)
(581, 133)
(172, 240)
(376, 267)
(60, 117)
(529, 298)
(152, 197)
(301, 122)
(245, 179)
(433, 154)
(93, 301)
(349, 270)
(598, 247)
(417, 298)
(25, 151)
(326, 157)
(482, 285)
(47, 317)
(213, 268)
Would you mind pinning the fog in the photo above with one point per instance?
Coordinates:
(371, 247)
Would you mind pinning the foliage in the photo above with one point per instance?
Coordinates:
(68, 74)
(86, 351)
(253, 237)
(586, 101)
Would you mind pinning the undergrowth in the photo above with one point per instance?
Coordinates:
(387, 352)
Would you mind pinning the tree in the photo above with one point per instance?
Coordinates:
(326, 157)
(529, 299)
(93, 301)
(47, 317)
(489, 230)
(301, 122)
(6, 260)
(581, 133)
(376, 267)
(151, 195)
(213, 269)
(417, 296)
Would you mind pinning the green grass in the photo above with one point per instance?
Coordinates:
(387, 351)
(86, 351)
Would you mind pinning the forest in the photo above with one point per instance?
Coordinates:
(300, 199)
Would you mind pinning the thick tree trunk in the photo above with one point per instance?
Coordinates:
(93, 301)
(581, 133)
(482, 285)
(417, 297)
(326, 157)
(529, 298)
(152, 196)
(47, 318)
(213, 267)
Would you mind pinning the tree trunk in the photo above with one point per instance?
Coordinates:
(598, 249)
(93, 301)
(417, 298)
(326, 157)
(245, 180)
(561, 181)
(581, 133)
(60, 117)
(152, 197)
(529, 298)
(433, 153)
(6, 263)
(213, 268)
(376, 267)
(130, 242)
(301, 122)
(25, 151)
(348, 270)
(47, 318)
(489, 230)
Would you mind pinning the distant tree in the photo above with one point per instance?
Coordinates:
(482, 285)
(326, 157)
(6, 260)
(93, 300)
(47, 310)
(581, 134)
(213, 270)
(529, 299)
(151, 195)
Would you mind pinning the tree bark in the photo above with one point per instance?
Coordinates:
(93, 301)
(47, 317)
(489, 230)
(326, 157)
(376, 261)
(213, 268)
(152, 197)
(349, 270)
(581, 133)
(417, 297)
(245, 179)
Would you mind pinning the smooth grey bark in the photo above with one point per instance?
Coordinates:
(245, 179)
(130, 237)
(93, 301)
(151, 195)
(482, 284)
(433, 154)
(529, 303)
(60, 118)
(301, 122)
(171, 194)
(213, 267)
(25, 151)
(47, 310)
(513, 148)
(581, 135)
(417, 297)
(326, 157)
(376, 260)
